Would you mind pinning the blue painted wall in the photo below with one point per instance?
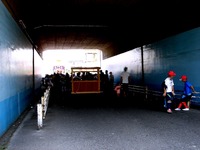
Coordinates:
(130, 59)
(179, 53)
(16, 70)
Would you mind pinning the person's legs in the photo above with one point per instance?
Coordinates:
(188, 100)
(169, 98)
(125, 89)
(187, 103)
(179, 106)
(165, 102)
(184, 100)
(184, 104)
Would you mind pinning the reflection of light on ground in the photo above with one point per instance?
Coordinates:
(71, 58)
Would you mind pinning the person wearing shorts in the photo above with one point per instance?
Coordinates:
(187, 94)
(169, 90)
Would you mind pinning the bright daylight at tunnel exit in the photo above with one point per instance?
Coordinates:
(62, 60)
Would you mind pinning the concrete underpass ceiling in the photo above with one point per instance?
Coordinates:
(114, 26)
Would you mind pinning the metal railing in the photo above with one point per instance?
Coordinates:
(148, 93)
(42, 107)
(144, 90)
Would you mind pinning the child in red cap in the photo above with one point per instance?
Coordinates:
(169, 90)
(187, 94)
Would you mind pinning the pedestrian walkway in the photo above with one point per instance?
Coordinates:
(92, 124)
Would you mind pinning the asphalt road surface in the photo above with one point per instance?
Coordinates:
(105, 124)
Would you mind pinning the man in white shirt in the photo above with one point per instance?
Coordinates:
(125, 80)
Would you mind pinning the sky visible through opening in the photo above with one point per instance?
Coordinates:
(62, 60)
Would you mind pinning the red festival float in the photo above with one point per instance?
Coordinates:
(88, 81)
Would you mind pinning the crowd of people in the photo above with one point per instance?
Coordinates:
(61, 87)
(61, 83)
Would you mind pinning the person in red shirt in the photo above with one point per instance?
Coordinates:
(118, 89)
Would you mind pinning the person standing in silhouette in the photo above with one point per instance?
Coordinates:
(125, 80)
(111, 83)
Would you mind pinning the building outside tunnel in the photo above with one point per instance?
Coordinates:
(22, 66)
